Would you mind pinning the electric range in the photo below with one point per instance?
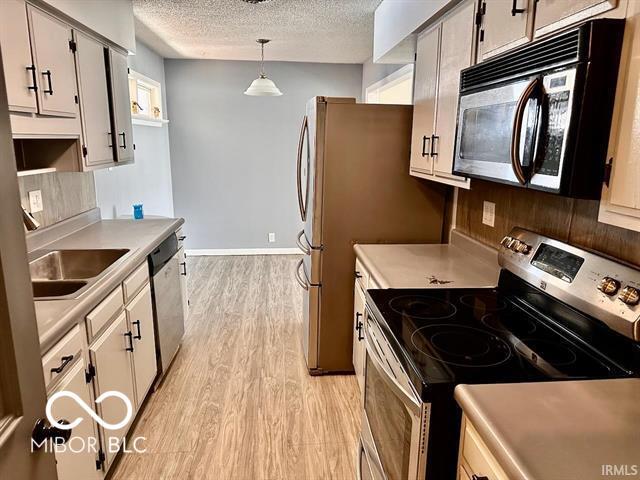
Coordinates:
(558, 313)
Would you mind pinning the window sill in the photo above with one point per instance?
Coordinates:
(148, 121)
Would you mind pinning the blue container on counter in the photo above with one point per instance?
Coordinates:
(138, 214)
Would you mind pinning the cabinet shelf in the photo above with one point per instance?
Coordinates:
(36, 171)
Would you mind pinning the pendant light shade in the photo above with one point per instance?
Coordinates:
(263, 86)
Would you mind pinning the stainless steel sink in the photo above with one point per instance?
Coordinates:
(56, 288)
(66, 273)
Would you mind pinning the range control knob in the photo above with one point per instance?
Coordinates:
(523, 248)
(506, 241)
(609, 286)
(630, 296)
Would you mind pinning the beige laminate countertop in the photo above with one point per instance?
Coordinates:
(57, 317)
(558, 430)
(463, 263)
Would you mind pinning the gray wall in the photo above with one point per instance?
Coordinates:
(374, 72)
(148, 180)
(233, 156)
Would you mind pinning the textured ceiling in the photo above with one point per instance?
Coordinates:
(333, 31)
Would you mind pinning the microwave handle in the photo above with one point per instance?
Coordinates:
(527, 94)
(543, 123)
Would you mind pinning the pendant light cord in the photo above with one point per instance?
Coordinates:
(262, 62)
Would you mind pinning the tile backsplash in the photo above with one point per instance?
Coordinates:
(569, 220)
(64, 194)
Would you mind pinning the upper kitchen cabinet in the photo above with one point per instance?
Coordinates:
(552, 15)
(52, 47)
(442, 52)
(94, 94)
(620, 203)
(19, 71)
(121, 118)
(505, 24)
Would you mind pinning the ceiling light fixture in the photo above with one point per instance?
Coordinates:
(262, 86)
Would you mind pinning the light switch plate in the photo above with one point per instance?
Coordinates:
(35, 201)
(272, 237)
(489, 213)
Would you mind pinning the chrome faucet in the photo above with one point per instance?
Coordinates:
(30, 223)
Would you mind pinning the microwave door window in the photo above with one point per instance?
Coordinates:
(486, 133)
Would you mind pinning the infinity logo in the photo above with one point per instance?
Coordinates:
(89, 410)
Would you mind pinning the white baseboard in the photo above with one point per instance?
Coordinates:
(202, 252)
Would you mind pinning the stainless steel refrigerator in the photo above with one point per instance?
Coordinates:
(353, 187)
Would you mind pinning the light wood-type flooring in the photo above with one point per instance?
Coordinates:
(238, 402)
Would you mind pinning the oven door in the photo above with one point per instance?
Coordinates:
(395, 420)
(486, 129)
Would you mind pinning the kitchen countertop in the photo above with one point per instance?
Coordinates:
(56, 317)
(463, 263)
(558, 430)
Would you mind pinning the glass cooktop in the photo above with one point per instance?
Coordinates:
(481, 336)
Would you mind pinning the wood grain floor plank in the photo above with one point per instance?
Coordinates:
(238, 402)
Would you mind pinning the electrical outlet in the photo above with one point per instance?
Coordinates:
(35, 201)
(272, 237)
(489, 213)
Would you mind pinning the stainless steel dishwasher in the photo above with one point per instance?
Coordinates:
(164, 265)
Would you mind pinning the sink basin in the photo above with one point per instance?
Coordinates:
(56, 288)
(72, 264)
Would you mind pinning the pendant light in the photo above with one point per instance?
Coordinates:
(262, 86)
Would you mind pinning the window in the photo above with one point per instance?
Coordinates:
(396, 88)
(146, 100)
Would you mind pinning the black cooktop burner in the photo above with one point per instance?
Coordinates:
(451, 336)
(422, 307)
(461, 345)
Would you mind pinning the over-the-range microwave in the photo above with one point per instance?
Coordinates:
(539, 116)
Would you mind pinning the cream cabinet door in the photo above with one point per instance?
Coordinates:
(424, 100)
(555, 14)
(456, 53)
(55, 64)
(19, 71)
(620, 204)
(94, 104)
(358, 333)
(505, 24)
(111, 357)
(183, 282)
(121, 106)
(140, 318)
(78, 460)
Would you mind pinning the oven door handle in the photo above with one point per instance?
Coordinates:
(410, 401)
(527, 94)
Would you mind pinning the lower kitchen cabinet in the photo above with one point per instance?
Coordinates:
(358, 333)
(77, 460)
(140, 320)
(110, 356)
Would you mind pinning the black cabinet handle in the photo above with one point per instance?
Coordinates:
(476, 477)
(65, 361)
(182, 238)
(47, 73)
(358, 274)
(359, 326)
(130, 347)
(33, 87)
(184, 268)
(433, 152)
(43, 431)
(425, 139)
(514, 11)
(124, 140)
(139, 335)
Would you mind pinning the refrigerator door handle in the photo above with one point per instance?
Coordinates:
(302, 282)
(301, 200)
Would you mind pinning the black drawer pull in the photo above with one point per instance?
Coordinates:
(476, 477)
(65, 361)
(139, 335)
(130, 347)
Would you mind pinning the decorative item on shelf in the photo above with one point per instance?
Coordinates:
(156, 112)
(135, 107)
(138, 213)
(262, 86)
